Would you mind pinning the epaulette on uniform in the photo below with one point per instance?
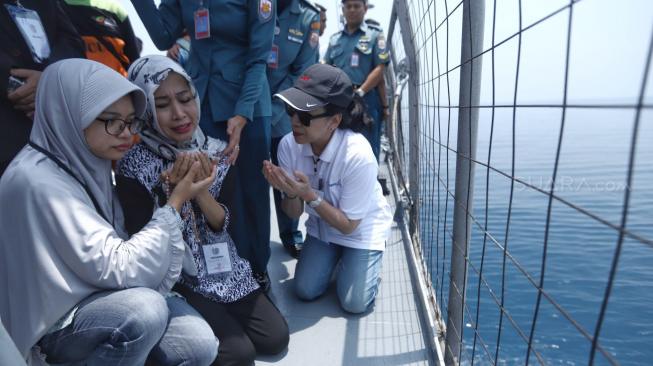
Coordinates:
(310, 5)
(320, 7)
(334, 38)
(371, 23)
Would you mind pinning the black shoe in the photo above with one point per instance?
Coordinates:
(263, 280)
(293, 249)
(384, 186)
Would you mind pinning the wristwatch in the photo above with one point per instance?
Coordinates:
(314, 203)
(360, 92)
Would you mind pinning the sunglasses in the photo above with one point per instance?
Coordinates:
(305, 117)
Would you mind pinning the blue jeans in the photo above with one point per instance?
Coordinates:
(128, 327)
(357, 278)
(250, 211)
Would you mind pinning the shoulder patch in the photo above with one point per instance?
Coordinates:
(265, 10)
(315, 39)
(380, 41)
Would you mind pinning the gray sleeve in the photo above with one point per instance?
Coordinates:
(98, 255)
(9, 354)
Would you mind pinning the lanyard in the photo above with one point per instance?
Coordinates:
(67, 170)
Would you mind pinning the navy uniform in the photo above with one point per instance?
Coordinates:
(228, 54)
(357, 54)
(295, 47)
(322, 10)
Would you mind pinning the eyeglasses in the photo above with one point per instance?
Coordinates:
(115, 126)
(305, 117)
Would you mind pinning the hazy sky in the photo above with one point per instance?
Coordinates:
(609, 45)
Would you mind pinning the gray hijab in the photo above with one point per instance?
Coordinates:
(148, 72)
(70, 96)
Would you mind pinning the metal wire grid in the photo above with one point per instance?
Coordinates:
(428, 27)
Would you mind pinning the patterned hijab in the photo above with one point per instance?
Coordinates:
(148, 73)
(71, 95)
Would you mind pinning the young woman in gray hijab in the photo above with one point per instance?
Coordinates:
(75, 288)
(223, 289)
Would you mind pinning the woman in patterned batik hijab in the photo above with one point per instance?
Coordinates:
(221, 285)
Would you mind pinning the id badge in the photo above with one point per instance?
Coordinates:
(354, 60)
(202, 24)
(216, 258)
(273, 57)
(31, 28)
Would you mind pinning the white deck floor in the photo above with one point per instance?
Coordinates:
(322, 334)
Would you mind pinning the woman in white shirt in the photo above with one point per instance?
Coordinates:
(328, 165)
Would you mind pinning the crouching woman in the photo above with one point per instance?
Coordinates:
(220, 285)
(328, 169)
(74, 285)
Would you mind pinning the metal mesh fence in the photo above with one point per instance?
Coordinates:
(557, 254)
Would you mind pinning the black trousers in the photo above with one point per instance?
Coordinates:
(247, 327)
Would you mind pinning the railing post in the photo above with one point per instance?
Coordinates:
(470, 83)
(390, 80)
(403, 16)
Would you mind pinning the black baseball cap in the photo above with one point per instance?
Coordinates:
(319, 86)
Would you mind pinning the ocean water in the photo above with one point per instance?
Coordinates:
(592, 175)
(527, 63)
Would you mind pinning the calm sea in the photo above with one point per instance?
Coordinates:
(591, 175)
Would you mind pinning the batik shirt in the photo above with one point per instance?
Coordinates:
(141, 190)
